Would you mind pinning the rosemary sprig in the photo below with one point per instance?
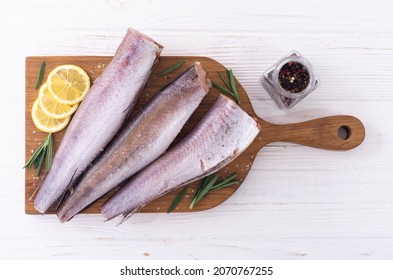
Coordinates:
(40, 74)
(223, 79)
(209, 184)
(224, 90)
(171, 68)
(176, 200)
(231, 87)
(37, 158)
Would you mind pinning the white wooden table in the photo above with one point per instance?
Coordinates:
(297, 202)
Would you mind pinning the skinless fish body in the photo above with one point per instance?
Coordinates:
(143, 140)
(104, 109)
(223, 134)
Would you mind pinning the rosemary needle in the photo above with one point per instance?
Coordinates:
(43, 151)
(49, 155)
(171, 68)
(40, 74)
(177, 199)
(203, 189)
(233, 85)
(209, 184)
(223, 79)
(231, 88)
(227, 182)
(220, 87)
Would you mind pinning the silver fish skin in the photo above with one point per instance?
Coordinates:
(143, 140)
(100, 115)
(222, 135)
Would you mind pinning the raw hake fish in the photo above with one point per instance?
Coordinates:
(100, 115)
(144, 139)
(222, 135)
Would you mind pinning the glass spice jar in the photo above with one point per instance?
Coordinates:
(290, 80)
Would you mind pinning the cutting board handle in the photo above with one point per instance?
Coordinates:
(338, 133)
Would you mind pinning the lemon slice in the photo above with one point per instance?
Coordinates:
(68, 84)
(51, 107)
(45, 123)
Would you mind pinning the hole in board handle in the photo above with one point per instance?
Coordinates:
(344, 132)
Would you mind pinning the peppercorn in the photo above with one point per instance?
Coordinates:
(294, 77)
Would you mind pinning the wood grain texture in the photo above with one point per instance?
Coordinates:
(321, 133)
(296, 202)
(94, 67)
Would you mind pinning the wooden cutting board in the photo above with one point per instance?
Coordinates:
(320, 133)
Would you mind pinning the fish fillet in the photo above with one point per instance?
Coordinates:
(144, 139)
(100, 115)
(222, 135)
